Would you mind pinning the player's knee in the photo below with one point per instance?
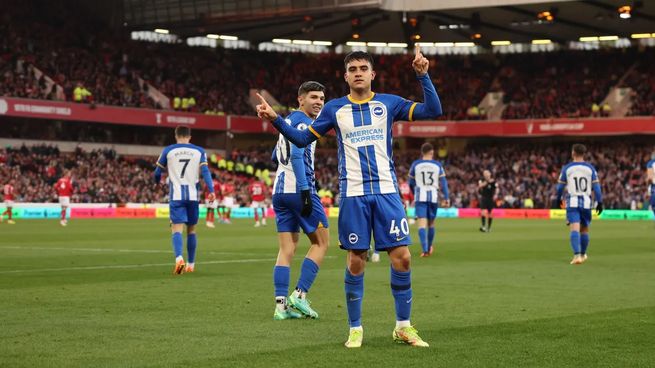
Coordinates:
(357, 263)
(402, 262)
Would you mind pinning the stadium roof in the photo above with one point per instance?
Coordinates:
(338, 20)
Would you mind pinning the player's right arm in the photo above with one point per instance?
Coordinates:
(561, 183)
(650, 172)
(162, 161)
(412, 174)
(301, 138)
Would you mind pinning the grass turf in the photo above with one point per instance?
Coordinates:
(100, 293)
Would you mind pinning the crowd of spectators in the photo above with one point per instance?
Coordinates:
(642, 83)
(99, 176)
(526, 173)
(218, 81)
(562, 84)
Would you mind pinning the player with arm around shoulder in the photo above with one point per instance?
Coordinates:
(580, 179)
(298, 206)
(185, 163)
(369, 200)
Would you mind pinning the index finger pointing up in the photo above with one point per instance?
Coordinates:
(261, 98)
(417, 51)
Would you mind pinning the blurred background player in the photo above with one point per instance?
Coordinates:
(258, 191)
(297, 206)
(488, 193)
(64, 188)
(369, 200)
(228, 192)
(184, 162)
(579, 178)
(212, 204)
(9, 197)
(425, 177)
(650, 177)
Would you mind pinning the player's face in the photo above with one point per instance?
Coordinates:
(359, 75)
(312, 102)
(486, 174)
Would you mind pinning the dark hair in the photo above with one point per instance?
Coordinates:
(357, 55)
(182, 131)
(579, 149)
(426, 147)
(310, 86)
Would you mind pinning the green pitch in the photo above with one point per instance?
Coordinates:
(100, 293)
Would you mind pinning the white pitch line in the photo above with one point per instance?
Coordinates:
(106, 267)
(109, 250)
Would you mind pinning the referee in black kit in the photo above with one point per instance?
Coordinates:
(488, 193)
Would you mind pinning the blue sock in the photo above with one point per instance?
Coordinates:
(308, 272)
(431, 232)
(191, 244)
(401, 289)
(422, 234)
(281, 280)
(584, 242)
(575, 242)
(354, 286)
(177, 244)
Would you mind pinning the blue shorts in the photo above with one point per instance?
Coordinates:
(287, 208)
(184, 212)
(652, 196)
(381, 214)
(579, 215)
(426, 210)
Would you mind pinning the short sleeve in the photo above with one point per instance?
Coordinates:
(324, 122)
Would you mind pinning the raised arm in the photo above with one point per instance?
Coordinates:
(300, 138)
(431, 106)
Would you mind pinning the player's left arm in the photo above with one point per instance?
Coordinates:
(598, 195)
(206, 174)
(443, 183)
(431, 106)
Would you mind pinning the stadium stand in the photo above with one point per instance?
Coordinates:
(526, 173)
(536, 85)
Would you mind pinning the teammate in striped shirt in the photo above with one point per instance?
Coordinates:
(369, 202)
(184, 162)
(425, 177)
(580, 179)
(297, 206)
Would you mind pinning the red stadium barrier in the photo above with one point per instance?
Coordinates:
(58, 110)
(468, 212)
(45, 109)
(125, 213)
(81, 213)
